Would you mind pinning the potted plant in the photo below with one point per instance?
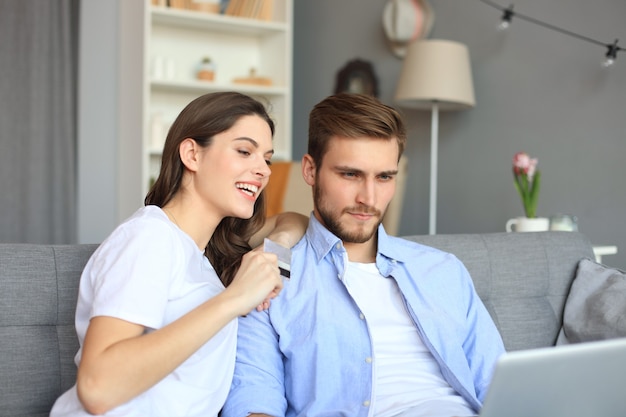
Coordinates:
(528, 183)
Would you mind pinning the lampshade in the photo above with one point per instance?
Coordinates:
(436, 71)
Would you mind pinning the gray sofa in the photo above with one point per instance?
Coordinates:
(523, 278)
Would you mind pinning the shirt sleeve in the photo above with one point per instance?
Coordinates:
(483, 344)
(132, 273)
(258, 383)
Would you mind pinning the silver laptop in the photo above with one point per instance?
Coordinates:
(578, 380)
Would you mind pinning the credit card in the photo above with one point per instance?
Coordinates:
(284, 256)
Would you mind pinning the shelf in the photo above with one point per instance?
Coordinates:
(177, 40)
(200, 20)
(202, 87)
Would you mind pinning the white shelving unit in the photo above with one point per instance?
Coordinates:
(176, 41)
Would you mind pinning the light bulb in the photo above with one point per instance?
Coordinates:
(608, 62)
(507, 15)
(611, 54)
(503, 25)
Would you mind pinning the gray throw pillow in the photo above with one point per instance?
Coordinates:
(595, 308)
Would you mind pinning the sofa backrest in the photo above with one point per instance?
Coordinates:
(38, 291)
(522, 278)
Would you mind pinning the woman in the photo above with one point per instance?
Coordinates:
(158, 300)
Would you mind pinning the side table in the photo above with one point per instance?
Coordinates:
(600, 251)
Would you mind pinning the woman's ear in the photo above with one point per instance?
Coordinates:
(188, 151)
(308, 169)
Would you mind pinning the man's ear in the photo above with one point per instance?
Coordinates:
(308, 169)
(188, 151)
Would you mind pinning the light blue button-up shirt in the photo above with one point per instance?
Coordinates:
(311, 353)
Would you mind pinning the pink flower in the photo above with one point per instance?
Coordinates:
(521, 160)
(527, 181)
(532, 167)
(524, 164)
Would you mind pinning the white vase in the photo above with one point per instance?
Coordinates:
(528, 224)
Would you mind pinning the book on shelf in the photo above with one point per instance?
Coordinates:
(252, 9)
(267, 10)
(208, 6)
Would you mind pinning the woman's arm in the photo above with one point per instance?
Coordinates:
(286, 229)
(119, 361)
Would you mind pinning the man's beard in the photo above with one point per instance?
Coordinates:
(333, 223)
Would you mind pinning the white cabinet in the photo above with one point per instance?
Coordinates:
(176, 42)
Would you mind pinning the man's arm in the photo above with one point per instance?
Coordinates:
(484, 343)
(286, 229)
(258, 380)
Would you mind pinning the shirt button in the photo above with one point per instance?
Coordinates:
(368, 360)
(361, 316)
(366, 403)
(338, 246)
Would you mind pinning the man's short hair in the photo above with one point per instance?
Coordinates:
(352, 116)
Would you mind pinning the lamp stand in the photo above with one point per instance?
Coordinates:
(436, 75)
(434, 137)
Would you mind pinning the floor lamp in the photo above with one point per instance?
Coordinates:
(436, 75)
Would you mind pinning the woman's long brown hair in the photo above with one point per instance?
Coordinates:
(201, 120)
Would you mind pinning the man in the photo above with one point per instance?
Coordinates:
(368, 324)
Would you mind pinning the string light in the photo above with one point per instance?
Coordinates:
(507, 16)
(611, 54)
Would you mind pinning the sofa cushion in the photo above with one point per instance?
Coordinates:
(39, 286)
(595, 308)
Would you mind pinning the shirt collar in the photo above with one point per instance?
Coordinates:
(323, 241)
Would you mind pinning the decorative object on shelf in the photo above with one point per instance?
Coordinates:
(527, 181)
(357, 76)
(206, 70)
(405, 21)
(157, 131)
(507, 16)
(253, 79)
(157, 67)
(564, 222)
(528, 224)
(436, 75)
(163, 68)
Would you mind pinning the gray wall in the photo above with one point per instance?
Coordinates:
(537, 91)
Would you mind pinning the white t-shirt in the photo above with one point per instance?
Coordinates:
(407, 379)
(150, 272)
